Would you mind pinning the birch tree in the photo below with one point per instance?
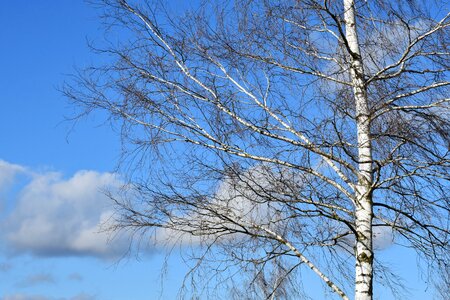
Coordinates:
(278, 136)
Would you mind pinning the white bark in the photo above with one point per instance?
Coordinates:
(219, 89)
(363, 210)
(306, 261)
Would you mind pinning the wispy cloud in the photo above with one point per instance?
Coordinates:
(246, 199)
(5, 267)
(241, 197)
(36, 279)
(25, 297)
(8, 172)
(383, 237)
(81, 296)
(75, 277)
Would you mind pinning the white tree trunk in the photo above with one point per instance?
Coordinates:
(363, 213)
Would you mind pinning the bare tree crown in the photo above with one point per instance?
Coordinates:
(281, 135)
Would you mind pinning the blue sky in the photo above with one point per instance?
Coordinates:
(42, 155)
(51, 172)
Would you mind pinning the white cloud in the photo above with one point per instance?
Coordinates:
(54, 216)
(242, 198)
(245, 196)
(8, 172)
(383, 237)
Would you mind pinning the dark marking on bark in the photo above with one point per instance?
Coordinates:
(361, 236)
(364, 258)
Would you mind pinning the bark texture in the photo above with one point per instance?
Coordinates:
(278, 136)
(363, 210)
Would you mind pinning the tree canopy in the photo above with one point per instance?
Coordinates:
(281, 135)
